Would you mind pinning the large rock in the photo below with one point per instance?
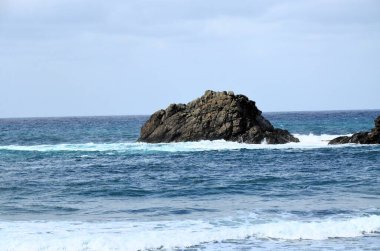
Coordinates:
(215, 115)
(372, 137)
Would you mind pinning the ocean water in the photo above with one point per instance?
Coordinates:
(85, 184)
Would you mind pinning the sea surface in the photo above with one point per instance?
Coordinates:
(83, 183)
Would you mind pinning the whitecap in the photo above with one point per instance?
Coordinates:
(51, 235)
(309, 141)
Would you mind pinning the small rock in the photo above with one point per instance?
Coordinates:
(372, 137)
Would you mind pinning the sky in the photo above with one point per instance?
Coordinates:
(132, 57)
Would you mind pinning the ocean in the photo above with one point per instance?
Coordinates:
(84, 183)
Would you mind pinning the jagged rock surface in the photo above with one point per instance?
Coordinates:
(215, 115)
(372, 137)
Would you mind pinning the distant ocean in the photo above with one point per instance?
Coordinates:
(83, 183)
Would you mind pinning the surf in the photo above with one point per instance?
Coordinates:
(55, 235)
(309, 141)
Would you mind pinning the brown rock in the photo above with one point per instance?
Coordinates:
(215, 115)
(372, 137)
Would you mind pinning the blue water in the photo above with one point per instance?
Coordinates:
(85, 184)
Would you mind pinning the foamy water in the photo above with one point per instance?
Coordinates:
(59, 191)
(306, 142)
(172, 234)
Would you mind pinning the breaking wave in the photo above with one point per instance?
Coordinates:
(50, 235)
(306, 142)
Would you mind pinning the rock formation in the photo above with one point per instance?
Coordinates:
(215, 115)
(372, 137)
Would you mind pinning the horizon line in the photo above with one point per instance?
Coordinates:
(143, 115)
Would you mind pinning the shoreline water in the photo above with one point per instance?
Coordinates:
(59, 191)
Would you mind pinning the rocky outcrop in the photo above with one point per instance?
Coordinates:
(215, 115)
(372, 137)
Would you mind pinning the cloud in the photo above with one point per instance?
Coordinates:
(163, 22)
(327, 11)
(181, 18)
(165, 45)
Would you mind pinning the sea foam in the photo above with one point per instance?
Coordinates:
(171, 234)
(306, 142)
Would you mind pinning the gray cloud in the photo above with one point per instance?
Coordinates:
(183, 19)
(105, 49)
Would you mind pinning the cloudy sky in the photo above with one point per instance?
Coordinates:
(93, 57)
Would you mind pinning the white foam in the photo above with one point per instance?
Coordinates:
(171, 234)
(306, 142)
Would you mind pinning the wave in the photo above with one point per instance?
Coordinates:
(172, 234)
(306, 142)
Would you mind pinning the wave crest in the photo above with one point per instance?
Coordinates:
(171, 234)
(306, 142)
